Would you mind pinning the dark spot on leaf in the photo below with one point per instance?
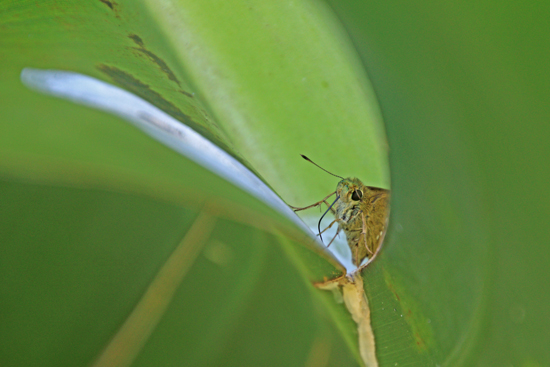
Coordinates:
(112, 5)
(134, 85)
(130, 83)
(390, 286)
(419, 341)
(186, 93)
(137, 39)
(154, 58)
(160, 62)
(108, 3)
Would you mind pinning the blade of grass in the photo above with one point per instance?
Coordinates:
(135, 331)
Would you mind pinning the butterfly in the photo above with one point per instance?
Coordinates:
(361, 212)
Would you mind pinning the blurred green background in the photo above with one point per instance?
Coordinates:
(464, 90)
(91, 208)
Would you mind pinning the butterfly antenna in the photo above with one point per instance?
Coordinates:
(319, 225)
(309, 160)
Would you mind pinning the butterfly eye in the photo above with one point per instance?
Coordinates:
(357, 195)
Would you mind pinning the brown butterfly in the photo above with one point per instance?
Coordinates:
(361, 212)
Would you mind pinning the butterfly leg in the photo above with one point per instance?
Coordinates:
(314, 205)
(336, 235)
(330, 225)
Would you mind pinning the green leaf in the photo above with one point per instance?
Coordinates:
(94, 211)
